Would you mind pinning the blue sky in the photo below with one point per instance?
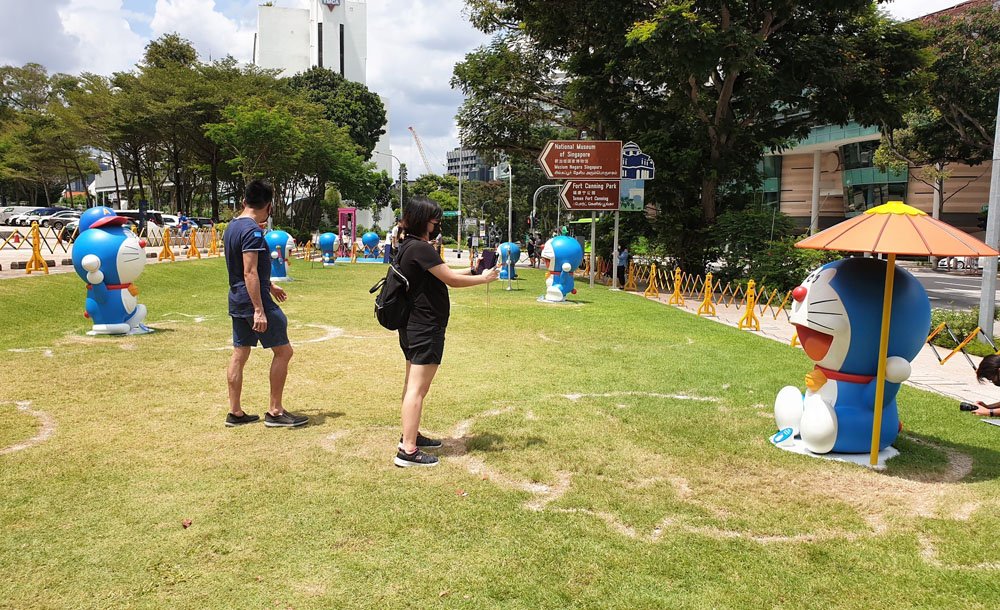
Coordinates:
(412, 47)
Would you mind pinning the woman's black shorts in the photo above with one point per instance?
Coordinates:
(422, 344)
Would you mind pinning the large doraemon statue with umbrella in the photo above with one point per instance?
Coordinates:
(837, 313)
(109, 257)
(563, 255)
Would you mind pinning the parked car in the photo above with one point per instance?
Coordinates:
(10, 211)
(203, 223)
(25, 220)
(59, 219)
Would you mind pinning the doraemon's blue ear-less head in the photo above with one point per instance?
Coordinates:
(837, 311)
(119, 250)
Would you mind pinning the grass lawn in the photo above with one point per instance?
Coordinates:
(611, 454)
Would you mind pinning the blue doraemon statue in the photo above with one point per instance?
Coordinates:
(563, 255)
(327, 245)
(279, 245)
(837, 312)
(369, 245)
(509, 254)
(109, 258)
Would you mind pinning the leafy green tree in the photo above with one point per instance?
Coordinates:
(346, 103)
(705, 86)
(950, 119)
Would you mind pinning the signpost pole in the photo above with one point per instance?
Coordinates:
(593, 245)
(510, 221)
(458, 239)
(614, 256)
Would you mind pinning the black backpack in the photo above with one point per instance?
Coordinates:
(392, 303)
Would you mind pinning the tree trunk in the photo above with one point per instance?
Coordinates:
(138, 173)
(215, 185)
(178, 186)
(709, 190)
(114, 170)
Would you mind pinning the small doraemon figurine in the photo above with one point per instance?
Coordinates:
(563, 255)
(837, 312)
(280, 245)
(109, 258)
(327, 245)
(369, 245)
(509, 253)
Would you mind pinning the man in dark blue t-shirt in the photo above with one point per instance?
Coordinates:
(256, 317)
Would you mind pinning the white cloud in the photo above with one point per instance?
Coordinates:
(911, 9)
(33, 32)
(213, 34)
(107, 42)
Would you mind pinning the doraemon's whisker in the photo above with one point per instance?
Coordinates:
(818, 324)
(825, 313)
(823, 301)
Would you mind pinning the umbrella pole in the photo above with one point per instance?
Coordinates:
(883, 352)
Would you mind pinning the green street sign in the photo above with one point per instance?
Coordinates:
(451, 214)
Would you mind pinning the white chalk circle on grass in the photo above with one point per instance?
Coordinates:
(46, 430)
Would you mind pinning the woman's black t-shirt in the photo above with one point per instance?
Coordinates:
(431, 305)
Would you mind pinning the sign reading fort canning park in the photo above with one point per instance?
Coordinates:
(594, 195)
(601, 175)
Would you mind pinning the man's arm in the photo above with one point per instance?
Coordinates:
(252, 281)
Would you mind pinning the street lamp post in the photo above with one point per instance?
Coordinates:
(400, 176)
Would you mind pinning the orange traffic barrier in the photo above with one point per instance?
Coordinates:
(749, 319)
(36, 263)
(166, 252)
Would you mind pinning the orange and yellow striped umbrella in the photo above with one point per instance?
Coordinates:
(896, 228)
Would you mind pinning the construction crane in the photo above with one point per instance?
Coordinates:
(420, 147)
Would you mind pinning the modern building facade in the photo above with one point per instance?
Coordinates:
(330, 34)
(830, 176)
(467, 164)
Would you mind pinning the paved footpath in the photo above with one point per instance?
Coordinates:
(955, 380)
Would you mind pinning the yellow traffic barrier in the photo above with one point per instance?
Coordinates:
(213, 242)
(193, 251)
(166, 252)
(749, 319)
(936, 331)
(961, 346)
(630, 282)
(676, 298)
(354, 253)
(36, 263)
(795, 340)
(707, 306)
(781, 308)
(14, 241)
(651, 290)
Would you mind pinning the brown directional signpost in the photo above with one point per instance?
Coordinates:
(582, 159)
(591, 195)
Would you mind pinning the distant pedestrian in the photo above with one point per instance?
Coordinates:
(183, 223)
(531, 252)
(256, 317)
(623, 255)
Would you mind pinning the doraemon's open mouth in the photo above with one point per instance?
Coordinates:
(815, 343)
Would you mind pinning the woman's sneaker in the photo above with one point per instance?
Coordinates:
(423, 442)
(285, 420)
(417, 458)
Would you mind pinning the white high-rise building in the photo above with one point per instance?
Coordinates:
(331, 34)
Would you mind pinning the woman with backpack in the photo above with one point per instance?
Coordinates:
(422, 337)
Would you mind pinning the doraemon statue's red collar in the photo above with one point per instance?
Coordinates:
(837, 312)
(109, 257)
